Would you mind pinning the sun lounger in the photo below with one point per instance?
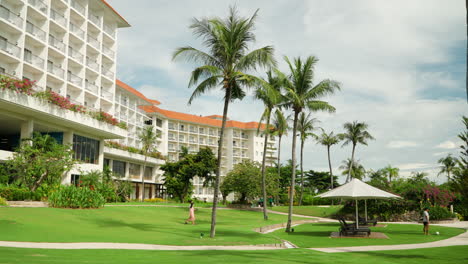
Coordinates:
(350, 229)
(364, 222)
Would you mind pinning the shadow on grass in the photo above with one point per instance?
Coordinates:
(112, 223)
(388, 255)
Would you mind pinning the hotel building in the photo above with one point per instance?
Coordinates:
(69, 47)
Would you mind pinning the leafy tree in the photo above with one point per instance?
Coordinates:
(448, 165)
(460, 175)
(179, 174)
(305, 126)
(355, 133)
(318, 181)
(357, 170)
(269, 94)
(329, 140)
(391, 172)
(40, 160)
(225, 64)
(111, 186)
(301, 94)
(147, 137)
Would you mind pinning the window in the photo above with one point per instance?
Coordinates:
(75, 179)
(158, 122)
(149, 172)
(27, 55)
(118, 167)
(182, 127)
(86, 149)
(134, 170)
(106, 163)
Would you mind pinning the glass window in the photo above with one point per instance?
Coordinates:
(86, 149)
(134, 170)
(118, 167)
(75, 179)
(158, 122)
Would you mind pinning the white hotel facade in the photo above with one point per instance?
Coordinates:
(70, 47)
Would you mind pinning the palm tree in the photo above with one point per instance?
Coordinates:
(329, 140)
(269, 94)
(356, 169)
(281, 127)
(300, 94)
(391, 172)
(305, 125)
(224, 65)
(147, 137)
(448, 165)
(355, 133)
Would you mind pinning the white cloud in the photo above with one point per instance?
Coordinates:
(397, 144)
(447, 145)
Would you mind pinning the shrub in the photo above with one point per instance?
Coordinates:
(12, 193)
(440, 213)
(76, 197)
(3, 202)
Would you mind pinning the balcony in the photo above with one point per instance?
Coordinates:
(106, 95)
(55, 70)
(58, 44)
(39, 5)
(172, 127)
(78, 7)
(11, 17)
(58, 18)
(74, 79)
(92, 64)
(33, 59)
(10, 48)
(35, 31)
(108, 52)
(75, 54)
(124, 101)
(77, 30)
(93, 41)
(109, 31)
(95, 19)
(92, 87)
(108, 74)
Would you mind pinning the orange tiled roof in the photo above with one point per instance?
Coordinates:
(216, 117)
(156, 102)
(200, 119)
(133, 91)
(126, 24)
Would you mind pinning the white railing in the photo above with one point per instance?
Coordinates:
(74, 79)
(75, 54)
(78, 7)
(106, 95)
(38, 4)
(93, 41)
(109, 30)
(58, 44)
(56, 70)
(57, 17)
(92, 87)
(95, 19)
(10, 48)
(108, 74)
(77, 30)
(92, 64)
(108, 52)
(35, 31)
(10, 16)
(34, 60)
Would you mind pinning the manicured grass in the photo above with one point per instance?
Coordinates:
(199, 205)
(152, 225)
(318, 235)
(310, 210)
(443, 255)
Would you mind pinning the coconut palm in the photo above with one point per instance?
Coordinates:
(148, 138)
(305, 125)
(281, 127)
(355, 133)
(329, 140)
(448, 165)
(269, 94)
(224, 66)
(356, 169)
(301, 94)
(391, 172)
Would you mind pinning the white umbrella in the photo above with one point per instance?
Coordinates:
(358, 190)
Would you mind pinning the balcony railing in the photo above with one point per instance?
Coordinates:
(92, 64)
(75, 54)
(124, 101)
(92, 87)
(108, 74)
(78, 7)
(55, 70)
(201, 131)
(34, 60)
(74, 79)
(93, 41)
(106, 95)
(77, 30)
(39, 5)
(11, 17)
(35, 31)
(10, 48)
(109, 30)
(58, 44)
(108, 52)
(95, 19)
(59, 18)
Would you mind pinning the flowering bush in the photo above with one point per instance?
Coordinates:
(436, 196)
(116, 145)
(122, 125)
(105, 117)
(20, 86)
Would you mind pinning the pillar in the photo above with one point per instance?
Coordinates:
(27, 129)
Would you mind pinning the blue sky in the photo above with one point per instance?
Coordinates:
(401, 65)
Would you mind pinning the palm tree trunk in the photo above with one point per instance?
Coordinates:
(351, 165)
(302, 172)
(329, 166)
(293, 176)
(143, 180)
(279, 168)
(265, 201)
(218, 169)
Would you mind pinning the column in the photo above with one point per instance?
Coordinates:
(27, 129)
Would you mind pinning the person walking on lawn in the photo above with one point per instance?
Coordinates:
(425, 219)
(191, 214)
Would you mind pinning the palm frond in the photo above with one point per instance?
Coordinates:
(203, 87)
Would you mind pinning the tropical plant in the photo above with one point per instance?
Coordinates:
(147, 137)
(301, 94)
(357, 170)
(224, 65)
(281, 127)
(76, 197)
(269, 94)
(391, 173)
(329, 140)
(306, 125)
(355, 133)
(448, 165)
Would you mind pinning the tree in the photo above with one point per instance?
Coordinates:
(281, 127)
(318, 181)
(448, 165)
(306, 126)
(40, 160)
(460, 175)
(329, 140)
(300, 94)
(224, 65)
(179, 175)
(269, 94)
(355, 133)
(391, 172)
(357, 170)
(148, 138)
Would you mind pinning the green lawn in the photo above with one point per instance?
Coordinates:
(152, 225)
(310, 210)
(443, 255)
(199, 204)
(317, 235)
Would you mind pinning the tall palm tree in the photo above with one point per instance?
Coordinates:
(305, 125)
(281, 127)
(448, 165)
(148, 138)
(356, 169)
(224, 65)
(329, 140)
(391, 172)
(301, 94)
(355, 133)
(269, 94)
